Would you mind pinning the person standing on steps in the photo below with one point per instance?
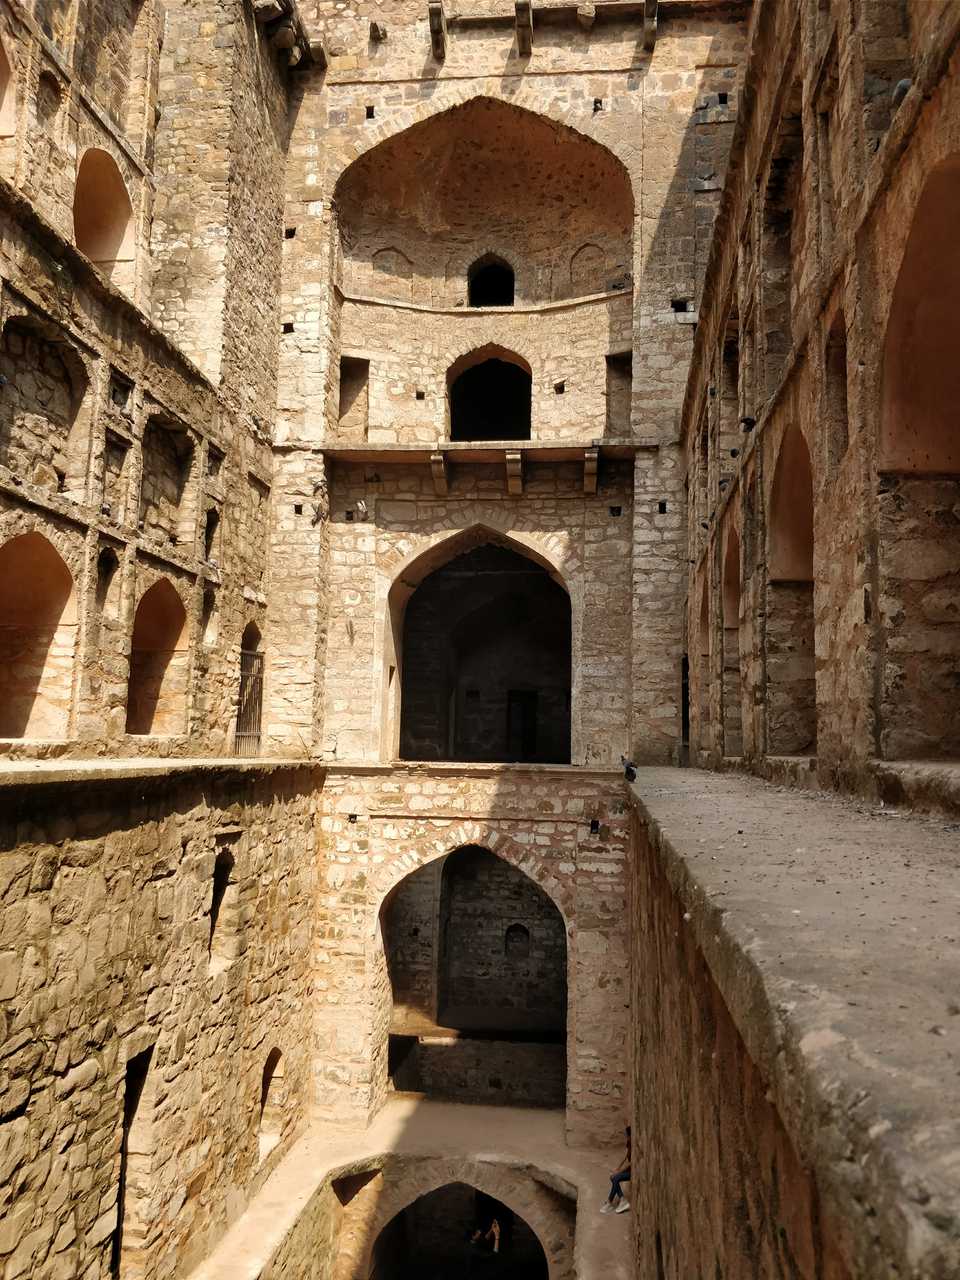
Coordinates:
(617, 1202)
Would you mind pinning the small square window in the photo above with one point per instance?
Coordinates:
(421, 395)
(298, 508)
(559, 388)
(662, 507)
(722, 99)
(616, 511)
(597, 105)
(371, 112)
(289, 233)
(288, 326)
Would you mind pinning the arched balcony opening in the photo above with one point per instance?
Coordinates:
(38, 630)
(791, 675)
(456, 1230)
(491, 282)
(490, 394)
(486, 661)
(159, 663)
(732, 675)
(103, 217)
(476, 955)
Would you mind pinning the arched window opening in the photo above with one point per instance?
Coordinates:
(486, 662)
(108, 585)
(732, 679)
(452, 1228)
(44, 409)
(159, 666)
(103, 216)
(490, 282)
(270, 1126)
(490, 397)
(473, 945)
(167, 488)
(8, 96)
(703, 670)
(250, 698)
(38, 627)
(784, 230)
(211, 534)
(919, 485)
(791, 683)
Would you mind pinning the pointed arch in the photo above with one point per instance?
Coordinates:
(732, 675)
(491, 282)
(703, 667)
(38, 627)
(103, 226)
(791, 673)
(490, 395)
(157, 686)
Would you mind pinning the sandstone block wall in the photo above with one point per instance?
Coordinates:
(106, 952)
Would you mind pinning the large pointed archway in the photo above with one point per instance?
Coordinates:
(476, 957)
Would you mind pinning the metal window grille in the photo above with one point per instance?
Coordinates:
(250, 704)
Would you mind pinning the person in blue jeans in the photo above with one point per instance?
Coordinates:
(617, 1202)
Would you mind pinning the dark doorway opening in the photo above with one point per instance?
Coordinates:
(486, 662)
(491, 401)
(450, 1232)
(491, 282)
(476, 955)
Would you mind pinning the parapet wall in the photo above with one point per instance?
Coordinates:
(795, 1109)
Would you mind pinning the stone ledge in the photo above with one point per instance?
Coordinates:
(20, 773)
(789, 893)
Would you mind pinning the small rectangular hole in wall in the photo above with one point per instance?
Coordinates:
(680, 305)
(214, 461)
(288, 326)
(616, 511)
(298, 508)
(722, 98)
(348, 516)
(120, 389)
(354, 392)
(421, 395)
(289, 233)
(371, 112)
(662, 507)
(559, 388)
(597, 104)
(594, 826)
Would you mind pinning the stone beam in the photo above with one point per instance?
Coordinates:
(438, 29)
(524, 27)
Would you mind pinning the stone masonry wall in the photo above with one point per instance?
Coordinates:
(106, 950)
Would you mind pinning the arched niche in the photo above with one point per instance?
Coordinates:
(732, 676)
(38, 629)
(270, 1115)
(103, 225)
(473, 945)
(488, 172)
(919, 485)
(45, 410)
(490, 282)
(8, 95)
(703, 668)
(791, 679)
(451, 1231)
(485, 639)
(490, 392)
(159, 663)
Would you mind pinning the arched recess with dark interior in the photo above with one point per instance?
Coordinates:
(159, 663)
(449, 1230)
(480, 655)
(783, 235)
(791, 704)
(732, 678)
(490, 282)
(703, 670)
(489, 173)
(250, 695)
(38, 629)
(103, 217)
(45, 409)
(474, 946)
(919, 485)
(8, 96)
(490, 393)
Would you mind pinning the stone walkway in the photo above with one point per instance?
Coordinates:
(511, 1136)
